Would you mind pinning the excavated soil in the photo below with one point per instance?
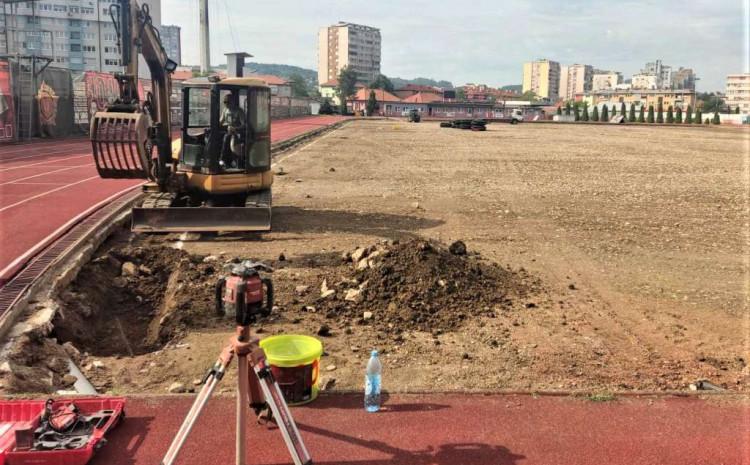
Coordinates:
(133, 300)
(419, 285)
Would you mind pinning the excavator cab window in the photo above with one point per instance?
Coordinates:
(196, 126)
(258, 111)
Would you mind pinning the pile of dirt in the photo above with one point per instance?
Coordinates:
(421, 285)
(133, 300)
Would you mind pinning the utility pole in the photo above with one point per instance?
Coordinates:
(204, 44)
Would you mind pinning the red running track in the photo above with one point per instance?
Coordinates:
(47, 185)
(451, 429)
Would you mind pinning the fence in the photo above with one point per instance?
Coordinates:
(7, 109)
(54, 103)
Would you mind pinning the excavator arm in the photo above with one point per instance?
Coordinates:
(125, 136)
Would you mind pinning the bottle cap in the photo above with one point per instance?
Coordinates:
(374, 353)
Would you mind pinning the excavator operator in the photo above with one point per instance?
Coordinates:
(233, 119)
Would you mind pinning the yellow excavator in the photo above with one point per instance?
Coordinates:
(217, 176)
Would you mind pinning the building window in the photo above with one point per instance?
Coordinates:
(75, 47)
(60, 8)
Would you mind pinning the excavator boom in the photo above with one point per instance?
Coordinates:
(123, 137)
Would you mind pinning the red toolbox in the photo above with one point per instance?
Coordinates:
(19, 419)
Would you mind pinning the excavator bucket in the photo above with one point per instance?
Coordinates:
(119, 144)
(157, 215)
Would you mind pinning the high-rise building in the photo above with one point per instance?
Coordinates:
(683, 78)
(605, 80)
(738, 92)
(543, 78)
(661, 72)
(170, 38)
(575, 79)
(348, 45)
(74, 34)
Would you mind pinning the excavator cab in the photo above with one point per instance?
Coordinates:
(225, 128)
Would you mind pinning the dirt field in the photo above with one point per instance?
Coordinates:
(603, 258)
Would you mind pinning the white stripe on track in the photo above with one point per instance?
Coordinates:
(60, 151)
(42, 162)
(17, 181)
(21, 202)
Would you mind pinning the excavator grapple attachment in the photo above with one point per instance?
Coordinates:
(158, 214)
(119, 144)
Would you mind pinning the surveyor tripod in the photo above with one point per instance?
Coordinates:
(242, 293)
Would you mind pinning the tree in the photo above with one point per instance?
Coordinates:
(670, 115)
(382, 82)
(325, 107)
(631, 117)
(641, 118)
(717, 119)
(698, 116)
(559, 110)
(650, 118)
(689, 115)
(529, 96)
(737, 110)
(660, 114)
(709, 101)
(577, 114)
(622, 109)
(299, 86)
(585, 112)
(678, 116)
(567, 108)
(460, 93)
(605, 114)
(372, 103)
(614, 111)
(347, 86)
(595, 113)
(707, 121)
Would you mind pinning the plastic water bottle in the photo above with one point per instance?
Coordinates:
(372, 383)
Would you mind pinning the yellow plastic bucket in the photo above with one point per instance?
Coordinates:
(295, 363)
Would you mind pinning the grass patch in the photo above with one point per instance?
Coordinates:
(601, 397)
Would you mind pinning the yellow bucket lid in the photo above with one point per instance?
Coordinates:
(291, 350)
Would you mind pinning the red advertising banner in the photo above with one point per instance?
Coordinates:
(7, 124)
(94, 91)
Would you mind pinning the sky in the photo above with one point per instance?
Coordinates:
(484, 41)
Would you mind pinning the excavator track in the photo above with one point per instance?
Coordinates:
(157, 214)
(158, 200)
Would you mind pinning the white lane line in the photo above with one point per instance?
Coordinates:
(5, 272)
(38, 183)
(17, 181)
(21, 202)
(55, 151)
(42, 162)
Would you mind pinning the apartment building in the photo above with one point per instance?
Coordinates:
(170, 38)
(347, 44)
(543, 78)
(74, 34)
(738, 92)
(643, 97)
(605, 80)
(575, 79)
(683, 78)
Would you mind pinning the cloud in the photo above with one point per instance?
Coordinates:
(483, 40)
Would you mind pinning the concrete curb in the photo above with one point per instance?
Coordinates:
(64, 268)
